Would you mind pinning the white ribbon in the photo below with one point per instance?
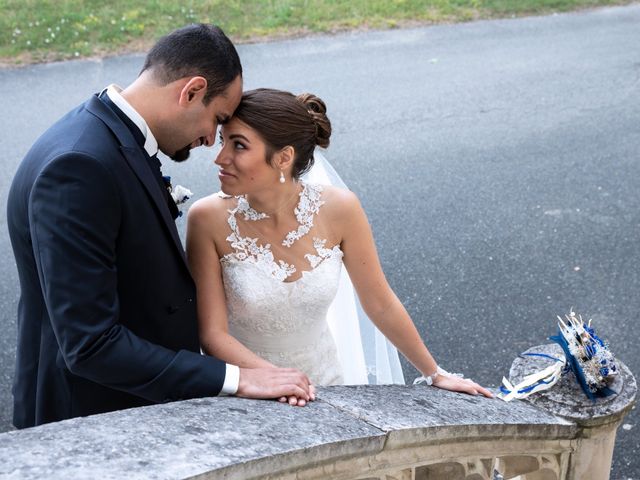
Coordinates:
(536, 382)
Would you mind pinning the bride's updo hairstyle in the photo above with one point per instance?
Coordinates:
(283, 119)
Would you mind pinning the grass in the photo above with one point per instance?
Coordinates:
(45, 30)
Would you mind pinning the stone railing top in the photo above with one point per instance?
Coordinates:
(567, 399)
(189, 438)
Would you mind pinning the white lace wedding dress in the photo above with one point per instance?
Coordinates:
(277, 308)
(281, 293)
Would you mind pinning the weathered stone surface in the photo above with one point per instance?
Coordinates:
(567, 399)
(425, 415)
(350, 432)
(183, 439)
(394, 407)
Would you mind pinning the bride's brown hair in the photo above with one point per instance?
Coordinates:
(283, 119)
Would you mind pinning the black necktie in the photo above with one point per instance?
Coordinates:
(165, 185)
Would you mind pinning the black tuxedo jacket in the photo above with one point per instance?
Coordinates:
(107, 312)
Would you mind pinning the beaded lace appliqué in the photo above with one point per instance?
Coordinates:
(249, 213)
(247, 248)
(323, 253)
(308, 206)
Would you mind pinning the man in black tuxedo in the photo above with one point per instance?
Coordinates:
(107, 313)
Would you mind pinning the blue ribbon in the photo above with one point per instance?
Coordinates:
(544, 355)
(506, 391)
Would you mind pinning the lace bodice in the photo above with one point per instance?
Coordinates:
(277, 316)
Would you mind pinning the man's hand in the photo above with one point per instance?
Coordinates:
(275, 383)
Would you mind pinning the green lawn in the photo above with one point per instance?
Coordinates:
(35, 31)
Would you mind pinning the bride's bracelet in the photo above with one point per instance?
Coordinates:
(432, 378)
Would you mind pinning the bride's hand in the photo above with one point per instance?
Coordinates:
(458, 384)
(293, 401)
(299, 402)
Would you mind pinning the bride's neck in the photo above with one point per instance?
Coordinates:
(275, 202)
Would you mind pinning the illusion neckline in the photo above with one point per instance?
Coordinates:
(304, 211)
(251, 214)
(249, 249)
(336, 252)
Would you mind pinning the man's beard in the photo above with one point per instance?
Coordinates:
(182, 154)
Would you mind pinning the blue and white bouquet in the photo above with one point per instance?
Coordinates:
(585, 354)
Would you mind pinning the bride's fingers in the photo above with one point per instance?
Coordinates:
(312, 392)
(463, 385)
(485, 392)
(295, 401)
(476, 389)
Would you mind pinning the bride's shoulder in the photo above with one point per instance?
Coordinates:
(331, 193)
(341, 202)
(211, 209)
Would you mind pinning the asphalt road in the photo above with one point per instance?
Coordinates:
(498, 163)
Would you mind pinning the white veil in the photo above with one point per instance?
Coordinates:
(365, 354)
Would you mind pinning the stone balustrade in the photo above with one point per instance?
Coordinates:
(386, 432)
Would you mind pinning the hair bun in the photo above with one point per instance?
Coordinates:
(318, 111)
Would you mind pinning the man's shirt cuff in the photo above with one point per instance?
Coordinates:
(231, 380)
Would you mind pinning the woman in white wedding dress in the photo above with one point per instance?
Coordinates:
(267, 253)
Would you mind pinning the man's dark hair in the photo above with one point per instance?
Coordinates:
(195, 50)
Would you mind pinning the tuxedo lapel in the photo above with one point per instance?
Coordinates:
(138, 162)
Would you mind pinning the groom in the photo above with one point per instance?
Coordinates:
(107, 313)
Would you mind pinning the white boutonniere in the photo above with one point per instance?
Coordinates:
(180, 194)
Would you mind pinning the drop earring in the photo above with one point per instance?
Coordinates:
(282, 179)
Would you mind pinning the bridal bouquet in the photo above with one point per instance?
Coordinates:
(585, 354)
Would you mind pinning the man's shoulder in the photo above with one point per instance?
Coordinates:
(86, 131)
(78, 133)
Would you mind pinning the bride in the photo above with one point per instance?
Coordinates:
(267, 254)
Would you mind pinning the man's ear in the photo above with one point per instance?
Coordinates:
(194, 90)
(284, 158)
